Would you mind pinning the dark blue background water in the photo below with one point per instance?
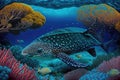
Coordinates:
(55, 19)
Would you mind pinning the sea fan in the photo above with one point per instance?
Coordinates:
(106, 66)
(18, 71)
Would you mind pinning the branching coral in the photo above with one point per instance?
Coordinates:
(106, 66)
(18, 71)
(19, 16)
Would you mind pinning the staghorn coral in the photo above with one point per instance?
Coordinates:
(18, 71)
(113, 63)
(19, 16)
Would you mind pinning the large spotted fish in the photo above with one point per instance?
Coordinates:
(63, 42)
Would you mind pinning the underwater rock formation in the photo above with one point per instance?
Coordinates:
(18, 71)
(17, 17)
(57, 4)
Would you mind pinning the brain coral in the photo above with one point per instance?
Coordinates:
(19, 16)
(91, 15)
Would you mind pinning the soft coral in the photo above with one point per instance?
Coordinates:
(19, 72)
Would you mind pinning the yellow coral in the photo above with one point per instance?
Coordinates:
(19, 16)
(113, 72)
(103, 13)
(37, 19)
(44, 70)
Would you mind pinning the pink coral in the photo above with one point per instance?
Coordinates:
(106, 66)
(18, 72)
(75, 74)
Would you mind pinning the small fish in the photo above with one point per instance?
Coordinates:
(20, 41)
(63, 42)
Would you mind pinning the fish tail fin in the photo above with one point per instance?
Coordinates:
(105, 45)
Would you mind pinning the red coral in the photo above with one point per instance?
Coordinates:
(114, 63)
(19, 72)
(75, 74)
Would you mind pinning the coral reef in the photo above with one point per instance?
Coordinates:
(18, 71)
(4, 72)
(102, 13)
(18, 16)
(75, 74)
(100, 58)
(16, 51)
(94, 75)
(113, 63)
(58, 4)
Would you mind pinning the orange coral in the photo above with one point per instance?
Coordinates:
(117, 26)
(18, 16)
(102, 13)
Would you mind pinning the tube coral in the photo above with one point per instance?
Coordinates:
(18, 71)
(19, 16)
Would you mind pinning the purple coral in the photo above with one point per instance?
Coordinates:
(75, 74)
(114, 63)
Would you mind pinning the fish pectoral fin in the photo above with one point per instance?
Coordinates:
(66, 59)
(92, 51)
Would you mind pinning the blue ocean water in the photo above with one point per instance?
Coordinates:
(61, 52)
(55, 19)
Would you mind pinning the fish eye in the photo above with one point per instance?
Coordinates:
(39, 50)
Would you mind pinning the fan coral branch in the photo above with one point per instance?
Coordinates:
(19, 72)
(19, 16)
